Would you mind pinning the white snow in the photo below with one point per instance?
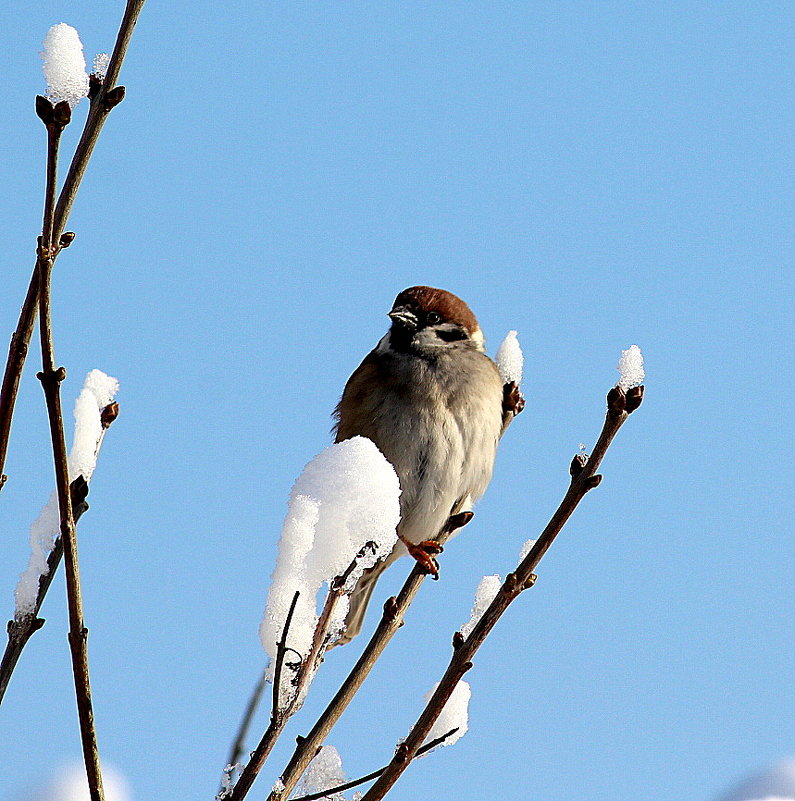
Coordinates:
(509, 359)
(70, 784)
(98, 391)
(455, 714)
(324, 772)
(776, 782)
(487, 590)
(100, 66)
(347, 496)
(526, 548)
(64, 65)
(630, 367)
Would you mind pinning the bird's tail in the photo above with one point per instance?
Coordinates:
(360, 598)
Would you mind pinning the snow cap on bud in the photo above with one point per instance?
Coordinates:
(630, 366)
(64, 65)
(509, 359)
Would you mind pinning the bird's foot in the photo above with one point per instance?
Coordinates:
(512, 399)
(424, 553)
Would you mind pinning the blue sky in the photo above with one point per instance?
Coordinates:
(590, 174)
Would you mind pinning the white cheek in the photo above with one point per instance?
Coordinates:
(477, 338)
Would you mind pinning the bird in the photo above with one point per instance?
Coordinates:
(436, 407)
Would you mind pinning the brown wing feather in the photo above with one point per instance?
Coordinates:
(356, 405)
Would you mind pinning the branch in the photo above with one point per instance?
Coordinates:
(238, 746)
(391, 621)
(375, 774)
(23, 627)
(584, 478)
(277, 719)
(51, 378)
(103, 100)
(306, 672)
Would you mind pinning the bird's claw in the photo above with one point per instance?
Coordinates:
(512, 398)
(424, 553)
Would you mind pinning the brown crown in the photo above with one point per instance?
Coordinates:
(426, 299)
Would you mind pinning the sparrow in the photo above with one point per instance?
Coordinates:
(435, 405)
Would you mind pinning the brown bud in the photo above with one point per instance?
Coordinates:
(616, 400)
(458, 640)
(530, 582)
(114, 97)
(44, 109)
(54, 377)
(390, 607)
(94, 85)
(593, 481)
(577, 464)
(67, 237)
(109, 414)
(634, 398)
(61, 114)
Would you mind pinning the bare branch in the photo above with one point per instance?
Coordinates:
(522, 578)
(237, 749)
(341, 788)
(22, 628)
(51, 378)
(97, 115)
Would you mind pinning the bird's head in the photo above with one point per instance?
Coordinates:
(426, 319)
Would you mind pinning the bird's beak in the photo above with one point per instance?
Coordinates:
(404, 317)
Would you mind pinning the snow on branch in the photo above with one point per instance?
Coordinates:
(98, 392)
(454, 714)
(323, 773)
(487, 589)
(345, 502)
(64, 65)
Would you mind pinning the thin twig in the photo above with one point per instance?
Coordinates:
(101, 104)
(237, 749)
(341, 788)
(584, 478)
(23, 627)
(281, 653)
(51, 379)
(391, 621)
(277, 716)
(304, 676)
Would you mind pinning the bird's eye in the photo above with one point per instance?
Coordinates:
(433, 318)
